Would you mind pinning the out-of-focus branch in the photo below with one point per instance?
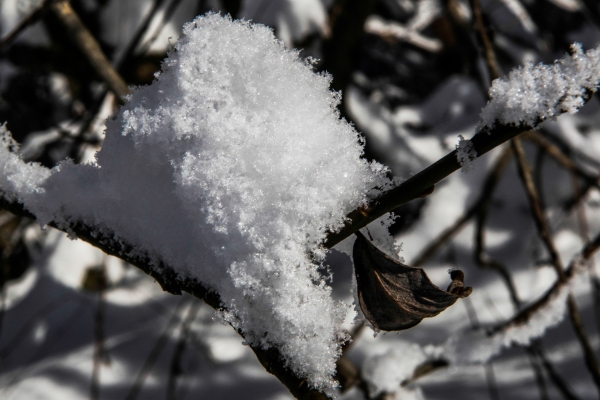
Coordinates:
(485, 195)
(537, 211)
(154, 353)
(490, 54)
(564, 160)
(30, 19)
(184, 335)
(544, 233)
(139, 34)
(346, 26)
(584, 232)
(392, 31)
(528, 312)
(88, 45)
(480, 254)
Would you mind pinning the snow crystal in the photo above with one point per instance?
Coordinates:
(17, 178)
(384, 373)
(534, 93)
(465, 154)
(230, 168)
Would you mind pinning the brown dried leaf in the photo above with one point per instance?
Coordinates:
(394, 296)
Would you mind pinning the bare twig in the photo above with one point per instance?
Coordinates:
(584, 232)
(535, 205)
(544, 233)
(100, 355)
(485, 195)
(139, 34)
(88, 45)
(30, 19)
(564, 160)
(175, 369)
(490, 54)
(155, 352)
(165, 18)
(420, 183)
(526, 313)
(561, 385)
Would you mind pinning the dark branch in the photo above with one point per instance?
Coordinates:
(166, 276)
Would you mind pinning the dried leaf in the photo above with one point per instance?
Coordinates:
(394, 296)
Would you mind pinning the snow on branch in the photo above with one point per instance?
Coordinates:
(529, 96)
(534, 93)
(229, 169)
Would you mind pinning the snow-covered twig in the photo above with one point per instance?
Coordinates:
(519, 103)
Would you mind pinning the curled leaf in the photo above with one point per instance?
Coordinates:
(394, 296)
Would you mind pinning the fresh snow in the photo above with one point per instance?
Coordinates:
(230, 167)
(465, 154)
(534, 93)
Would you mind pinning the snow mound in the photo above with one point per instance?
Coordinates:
(230, 168)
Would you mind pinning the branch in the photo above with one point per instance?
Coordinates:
(88, 45)
(165, 275)
(526, 313)
(30, 19)
(422, 183)
(485, 195)
(544, 232)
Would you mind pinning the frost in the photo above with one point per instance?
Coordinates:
(384, 373)
(465, 154)
(534, 93)
(230, 168)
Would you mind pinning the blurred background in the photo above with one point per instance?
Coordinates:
(76, 323)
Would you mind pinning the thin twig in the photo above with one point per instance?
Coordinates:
(544, 233)
(489, 185)
(535, 205)
(536, 366)
(490, 55)
(528, 312)
(165, 18)
(175, 369)
(154, 353)
(88, 45)
(484, 262)
(30, 19)
(564, 160)
(561, 385)
(140, 32)
(100, 355)
(584, 232)
(422, 182)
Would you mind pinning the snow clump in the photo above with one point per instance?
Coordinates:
(465, 154)
(230, 168)
(534, 93)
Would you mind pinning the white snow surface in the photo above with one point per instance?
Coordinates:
(386, 371)
(533, 93)
(230, 168)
